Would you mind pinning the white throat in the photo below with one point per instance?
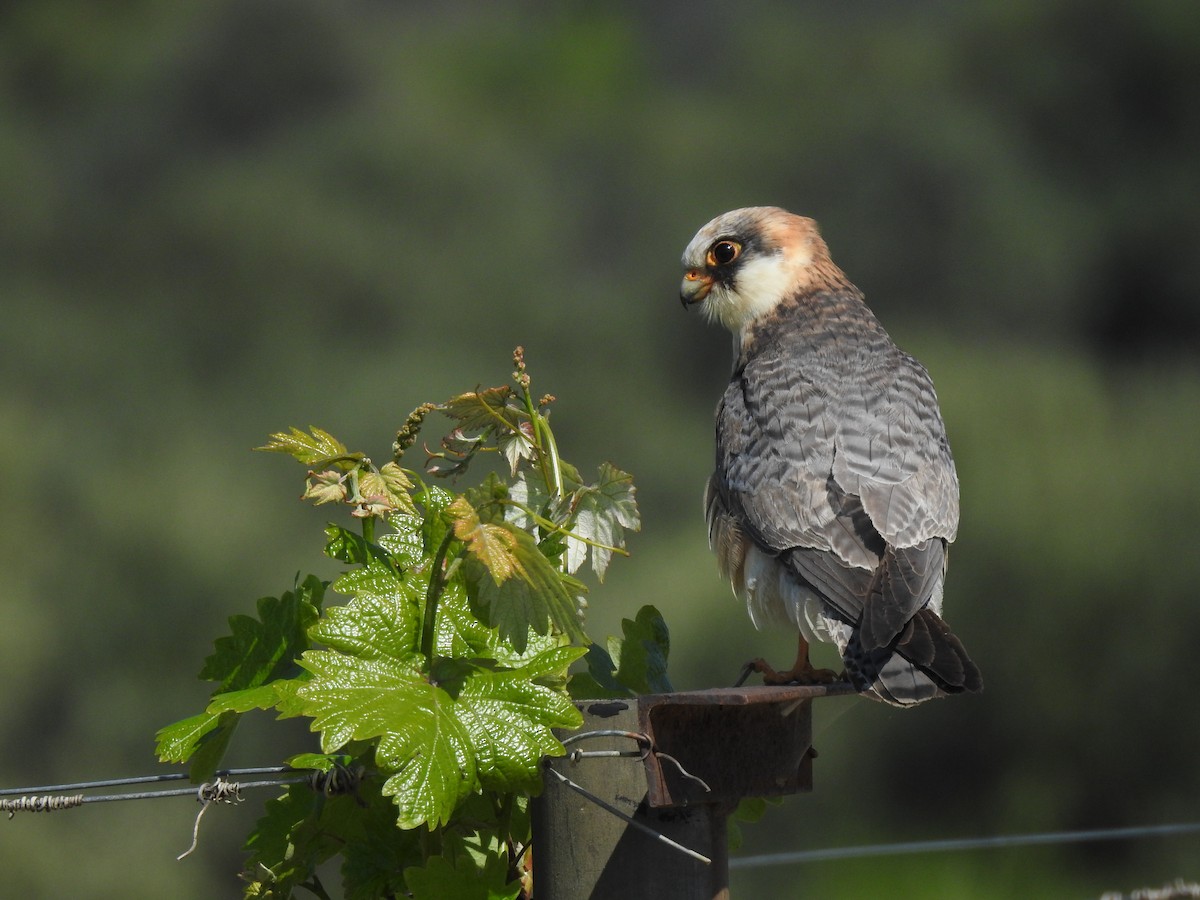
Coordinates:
(761, 284)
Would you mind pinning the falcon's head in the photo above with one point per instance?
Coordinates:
(743, 263)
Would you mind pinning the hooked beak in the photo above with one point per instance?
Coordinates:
(696, 285)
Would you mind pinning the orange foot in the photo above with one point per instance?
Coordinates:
(806, 674)
(801, 672)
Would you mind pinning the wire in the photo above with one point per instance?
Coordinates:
(645, 747)
(629, 820)
(342, 780)
(144, 779)
(51, 798)
(191, 791)
(982, 843)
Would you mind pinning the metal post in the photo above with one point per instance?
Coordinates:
(676, 765)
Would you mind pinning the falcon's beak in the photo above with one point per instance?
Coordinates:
(696, 285)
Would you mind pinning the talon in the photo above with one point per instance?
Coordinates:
(745, 673)
(762, 667)
(801, 672)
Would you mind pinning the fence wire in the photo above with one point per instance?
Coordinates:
(798, 857)
(49, 798)
(53, 797)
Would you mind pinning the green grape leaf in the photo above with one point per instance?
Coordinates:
(345, 545)
(641, 656)
(316, 448)
(247, 663)
(390, 698)
(404, 543)
(210, 748)
(599, 680)
(383, 616)
(262, 649)
(435, 500)
(483, 410)
(442, 734)
(516, 446)
(262, 697)
(321, 762)
(351, 547)
(266, 844)
(487, 498)
(571, 477)
(175, 743)
(491, 825)
(528, 491)
(287, 694)
(324, 487)
(534, 597)
(439, 879)
(373, 864)
(493, 545)
(299, 831)
(633, 664)
(461, 633)
(389, 487)
(601, 513)
(508, 715)
(593, 518)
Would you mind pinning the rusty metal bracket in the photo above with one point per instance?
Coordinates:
(738, 742)
(672, 767)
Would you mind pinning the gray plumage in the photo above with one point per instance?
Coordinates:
(834, 493)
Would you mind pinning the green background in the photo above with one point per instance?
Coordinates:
(221, 218)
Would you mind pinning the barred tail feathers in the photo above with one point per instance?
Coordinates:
(925, 660)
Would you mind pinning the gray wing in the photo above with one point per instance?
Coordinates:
(840, 465)
(891, 452)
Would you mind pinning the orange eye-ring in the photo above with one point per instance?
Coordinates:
(722, 253)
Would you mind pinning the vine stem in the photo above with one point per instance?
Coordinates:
(546, 445)
(543, 426)
(432, 594)
(543, 441)
(314, 885)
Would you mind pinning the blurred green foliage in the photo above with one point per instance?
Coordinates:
(209, 207)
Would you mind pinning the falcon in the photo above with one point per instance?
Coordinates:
(834, 494)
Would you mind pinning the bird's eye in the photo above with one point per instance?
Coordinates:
(722, 253)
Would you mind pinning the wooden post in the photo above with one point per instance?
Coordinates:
(688, 759)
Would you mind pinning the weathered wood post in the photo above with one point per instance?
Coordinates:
(677, 765)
